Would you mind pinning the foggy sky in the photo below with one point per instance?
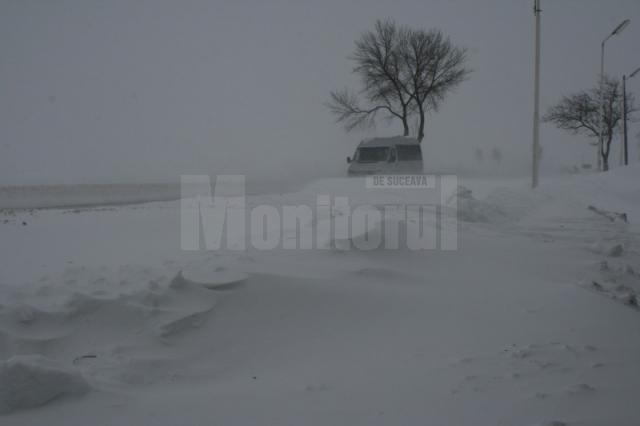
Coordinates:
(115, 91)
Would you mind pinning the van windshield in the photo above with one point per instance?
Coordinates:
(372, 155)
(409, 153)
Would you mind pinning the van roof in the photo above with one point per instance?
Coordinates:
(390, 141)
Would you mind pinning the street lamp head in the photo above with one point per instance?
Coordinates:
(621, 27)
(634, 73)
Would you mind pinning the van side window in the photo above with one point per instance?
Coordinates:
(373, 154)
(409, 153)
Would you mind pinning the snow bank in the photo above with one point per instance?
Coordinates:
(615, 191)
(28, 381)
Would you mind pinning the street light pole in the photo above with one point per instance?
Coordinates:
(601, 122)
(624, 114)
(617, 31)
(622, 108)
(536, 101)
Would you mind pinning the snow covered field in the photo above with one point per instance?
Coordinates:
(51, 196)
(78, 196)
(533, 320)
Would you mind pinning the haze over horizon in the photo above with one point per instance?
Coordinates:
(138, 91)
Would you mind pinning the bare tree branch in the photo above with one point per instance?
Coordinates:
(345, 106)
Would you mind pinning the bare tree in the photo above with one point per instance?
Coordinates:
(379, 67)
(580, 113)
(432, 68)
(403, 72)
(379, 63)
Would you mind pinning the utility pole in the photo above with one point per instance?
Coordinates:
(624, 114)
(535, 166)
(601, 116)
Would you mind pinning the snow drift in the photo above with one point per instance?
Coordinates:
(507, 329)
(28, 381)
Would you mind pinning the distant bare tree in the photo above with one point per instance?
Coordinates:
(580, 113)
(403, 72)
(478, 155)
(496, 155)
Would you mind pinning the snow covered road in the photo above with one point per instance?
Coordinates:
(509, 329)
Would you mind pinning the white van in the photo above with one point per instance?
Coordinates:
(399, 154)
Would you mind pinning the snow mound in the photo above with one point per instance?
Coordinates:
(615, 279)
(579, 389)
(387, 233)
(473, 210)
(28, 381)
(500, 205)
(212, 277)
(384, 274)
